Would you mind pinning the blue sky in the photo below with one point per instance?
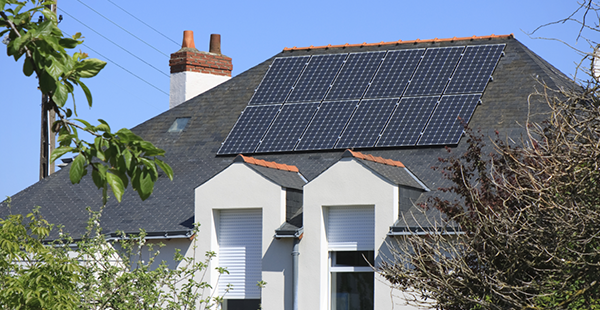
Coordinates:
(251, 31)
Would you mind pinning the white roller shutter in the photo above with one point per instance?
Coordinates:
(240, 251)
(350, 228)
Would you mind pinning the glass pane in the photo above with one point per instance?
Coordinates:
(352, 290)
(354, 258)
(241, 304)
(179, 124)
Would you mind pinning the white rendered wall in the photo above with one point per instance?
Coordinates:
(186, 85)
(240, 187)
(346, 183)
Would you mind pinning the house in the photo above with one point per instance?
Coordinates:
(301, 168)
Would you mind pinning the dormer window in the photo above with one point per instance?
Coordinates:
(179, 124)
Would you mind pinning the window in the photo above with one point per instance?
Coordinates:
(179, 124)
(239, 234)
(352, 280)
(351, 240)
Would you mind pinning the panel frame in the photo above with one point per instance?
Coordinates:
(352, 104)
(310, 83)
(465, 112)
(239, 150)
(437, 79)
(270, 71)
(273, 134)
(342, 81)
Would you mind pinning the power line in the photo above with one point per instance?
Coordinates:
(133, 35)
(118, 65)
(139, 20)
(109, 40)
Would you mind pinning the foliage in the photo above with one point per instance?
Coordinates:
(116, 159)
(93, 273)
(523, 231)
(528, 219)
(33, 275)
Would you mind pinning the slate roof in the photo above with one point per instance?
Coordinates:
(281, 174)
(192, 152)
(393, 171)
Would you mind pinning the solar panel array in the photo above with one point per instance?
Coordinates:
(409, 97)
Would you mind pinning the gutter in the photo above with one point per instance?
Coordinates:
(182, 234)
(410, 231)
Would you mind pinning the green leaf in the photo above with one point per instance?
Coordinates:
(127, 136)
(28, 67)
(150, 149)
(60, 95)
(54, 69)
(86, 123)
(165, 167)
(77, 168)
(146, 185)
(60, 152)
(116, 185)
(47, 83)
(121, 175)
(103, 126)
(126, 155)
(99, 175)
(86, 91)
(90, 67)
(68, 43)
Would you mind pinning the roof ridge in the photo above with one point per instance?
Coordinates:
(264, 163)
(377, 159)
(401, 42)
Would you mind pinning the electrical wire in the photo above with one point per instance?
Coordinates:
(109, 40)
(118, 65)
(139, 20)
(133, 35)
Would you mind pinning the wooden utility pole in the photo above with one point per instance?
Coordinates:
(47, 136)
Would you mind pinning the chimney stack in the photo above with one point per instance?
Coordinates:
(194, 72)
(215, 44)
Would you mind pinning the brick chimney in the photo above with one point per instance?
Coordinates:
(194, 72)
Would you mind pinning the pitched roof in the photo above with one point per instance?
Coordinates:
(285, 175)
(393, 170)
(192, 153)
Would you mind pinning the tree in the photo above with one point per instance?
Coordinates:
(524, 229)
(90, 273)
(93, 273)
(115, 159)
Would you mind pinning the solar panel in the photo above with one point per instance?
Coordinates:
(394, 73)
(327, 125)
(407, 122)
(446, 123)
(278, 81)
(288, 127)
(434, 71)
(316, 78)
(249, 128)
(357, 72)
(366, 123)
(475, 69)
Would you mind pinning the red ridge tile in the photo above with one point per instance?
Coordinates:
(377, 159)
(268, 164)
(401, 42)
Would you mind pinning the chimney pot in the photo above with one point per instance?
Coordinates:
(215, 43)
(188, 39)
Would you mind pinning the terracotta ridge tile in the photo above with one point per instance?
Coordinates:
(268, 164)
(401, 42)
(377, 159)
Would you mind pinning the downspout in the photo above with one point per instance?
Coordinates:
(295, 254)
